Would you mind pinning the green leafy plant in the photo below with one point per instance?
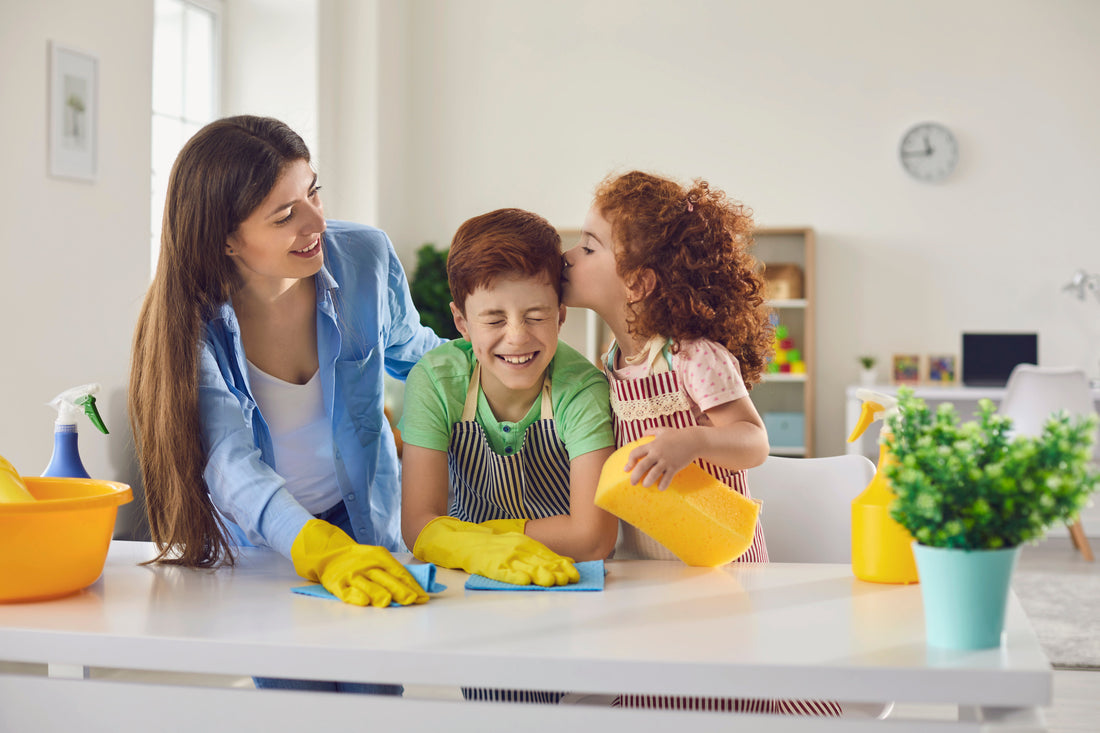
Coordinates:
(430, 293)
(975, 486)
(867, 362)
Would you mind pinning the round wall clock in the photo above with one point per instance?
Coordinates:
(928, 151)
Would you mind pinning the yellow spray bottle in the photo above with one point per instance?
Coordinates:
(881, 548)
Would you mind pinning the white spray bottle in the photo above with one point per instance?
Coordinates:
(70, 405)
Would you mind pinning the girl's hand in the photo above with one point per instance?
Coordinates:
(659, 460)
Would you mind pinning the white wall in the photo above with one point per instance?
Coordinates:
(796, 108)
(271, 62)
(74, 256)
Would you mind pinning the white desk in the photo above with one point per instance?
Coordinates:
(794, 631)
(965, 400)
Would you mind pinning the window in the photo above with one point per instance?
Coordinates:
(186, 70)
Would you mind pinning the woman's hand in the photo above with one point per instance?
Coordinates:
(362, 575)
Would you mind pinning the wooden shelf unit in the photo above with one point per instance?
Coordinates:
(794, 393)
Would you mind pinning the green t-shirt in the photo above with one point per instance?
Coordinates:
(436, 390)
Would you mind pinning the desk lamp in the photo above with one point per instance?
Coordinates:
(1082, 283)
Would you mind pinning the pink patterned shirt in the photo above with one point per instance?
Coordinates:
(709, 374)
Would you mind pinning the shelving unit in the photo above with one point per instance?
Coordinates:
(780, 395)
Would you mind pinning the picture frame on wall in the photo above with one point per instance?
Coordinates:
(942, 369)
(906, 369)
(74, 112)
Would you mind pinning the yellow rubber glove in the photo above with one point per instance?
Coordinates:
(500, 526)
(510, 557)
(12, 486)
(363, 575)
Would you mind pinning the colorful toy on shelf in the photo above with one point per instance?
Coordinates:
(787, 358)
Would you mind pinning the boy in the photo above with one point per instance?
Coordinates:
(505, 430)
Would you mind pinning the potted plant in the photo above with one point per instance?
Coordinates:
(430, 292)
(971, 494)
(867, 371)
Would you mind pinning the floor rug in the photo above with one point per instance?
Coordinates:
(1064, 609)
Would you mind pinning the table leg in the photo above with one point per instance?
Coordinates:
(1019, 720)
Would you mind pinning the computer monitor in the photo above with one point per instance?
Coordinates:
(988, 358)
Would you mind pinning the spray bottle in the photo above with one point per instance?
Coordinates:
(70, 404)
(881, 548)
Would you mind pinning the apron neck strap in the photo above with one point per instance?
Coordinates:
(469, 407)
(655, 354)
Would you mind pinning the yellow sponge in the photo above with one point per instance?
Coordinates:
(12, 486)
(698, 518)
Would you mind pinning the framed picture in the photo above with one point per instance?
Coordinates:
(941, 369)
(74, 102)
(906, 368)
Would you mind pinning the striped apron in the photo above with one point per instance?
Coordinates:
(657, 401)
(532, 483)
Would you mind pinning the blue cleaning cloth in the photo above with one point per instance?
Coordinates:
(423, 573)
(592, 573)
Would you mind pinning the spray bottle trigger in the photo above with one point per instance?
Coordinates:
(867, 416)
(88, 403)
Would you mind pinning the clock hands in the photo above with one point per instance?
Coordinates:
(925, 152)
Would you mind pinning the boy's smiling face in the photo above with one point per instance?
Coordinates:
(513, 326)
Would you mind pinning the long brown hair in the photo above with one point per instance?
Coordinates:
(219, 178)
(695, 241)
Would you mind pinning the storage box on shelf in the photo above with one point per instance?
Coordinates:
(785, 397)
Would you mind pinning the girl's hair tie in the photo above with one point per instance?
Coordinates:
(691, 208)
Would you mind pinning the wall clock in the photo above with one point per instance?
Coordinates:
(928, 152)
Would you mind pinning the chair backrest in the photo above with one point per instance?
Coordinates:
(807, 505)
(1033, 393)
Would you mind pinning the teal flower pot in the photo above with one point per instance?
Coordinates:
(965, 593)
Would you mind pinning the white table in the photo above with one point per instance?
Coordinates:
(964, 398)
(792, 631)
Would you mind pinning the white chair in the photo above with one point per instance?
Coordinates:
(1032, 394)
(807, 517)
(807, 510)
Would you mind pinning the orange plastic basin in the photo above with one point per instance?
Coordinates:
(58, 544)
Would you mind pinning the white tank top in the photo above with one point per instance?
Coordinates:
(301, 435)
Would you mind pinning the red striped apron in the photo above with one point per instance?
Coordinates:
(653, 401)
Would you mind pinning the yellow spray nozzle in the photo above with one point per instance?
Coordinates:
(869, 413)
(875, 407)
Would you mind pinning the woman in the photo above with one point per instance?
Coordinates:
(257, 373)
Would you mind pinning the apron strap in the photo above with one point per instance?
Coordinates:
(469, 407)
(655, 348)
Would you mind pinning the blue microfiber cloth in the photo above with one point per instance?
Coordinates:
(592, 573)
(423, 573)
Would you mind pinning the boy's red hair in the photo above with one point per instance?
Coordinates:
(505, 242)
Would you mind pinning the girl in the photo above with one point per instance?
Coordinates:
(257, 370)
(668, 269)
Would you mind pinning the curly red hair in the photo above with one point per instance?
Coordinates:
(695, 241)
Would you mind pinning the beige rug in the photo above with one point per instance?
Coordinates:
(1064, 609)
